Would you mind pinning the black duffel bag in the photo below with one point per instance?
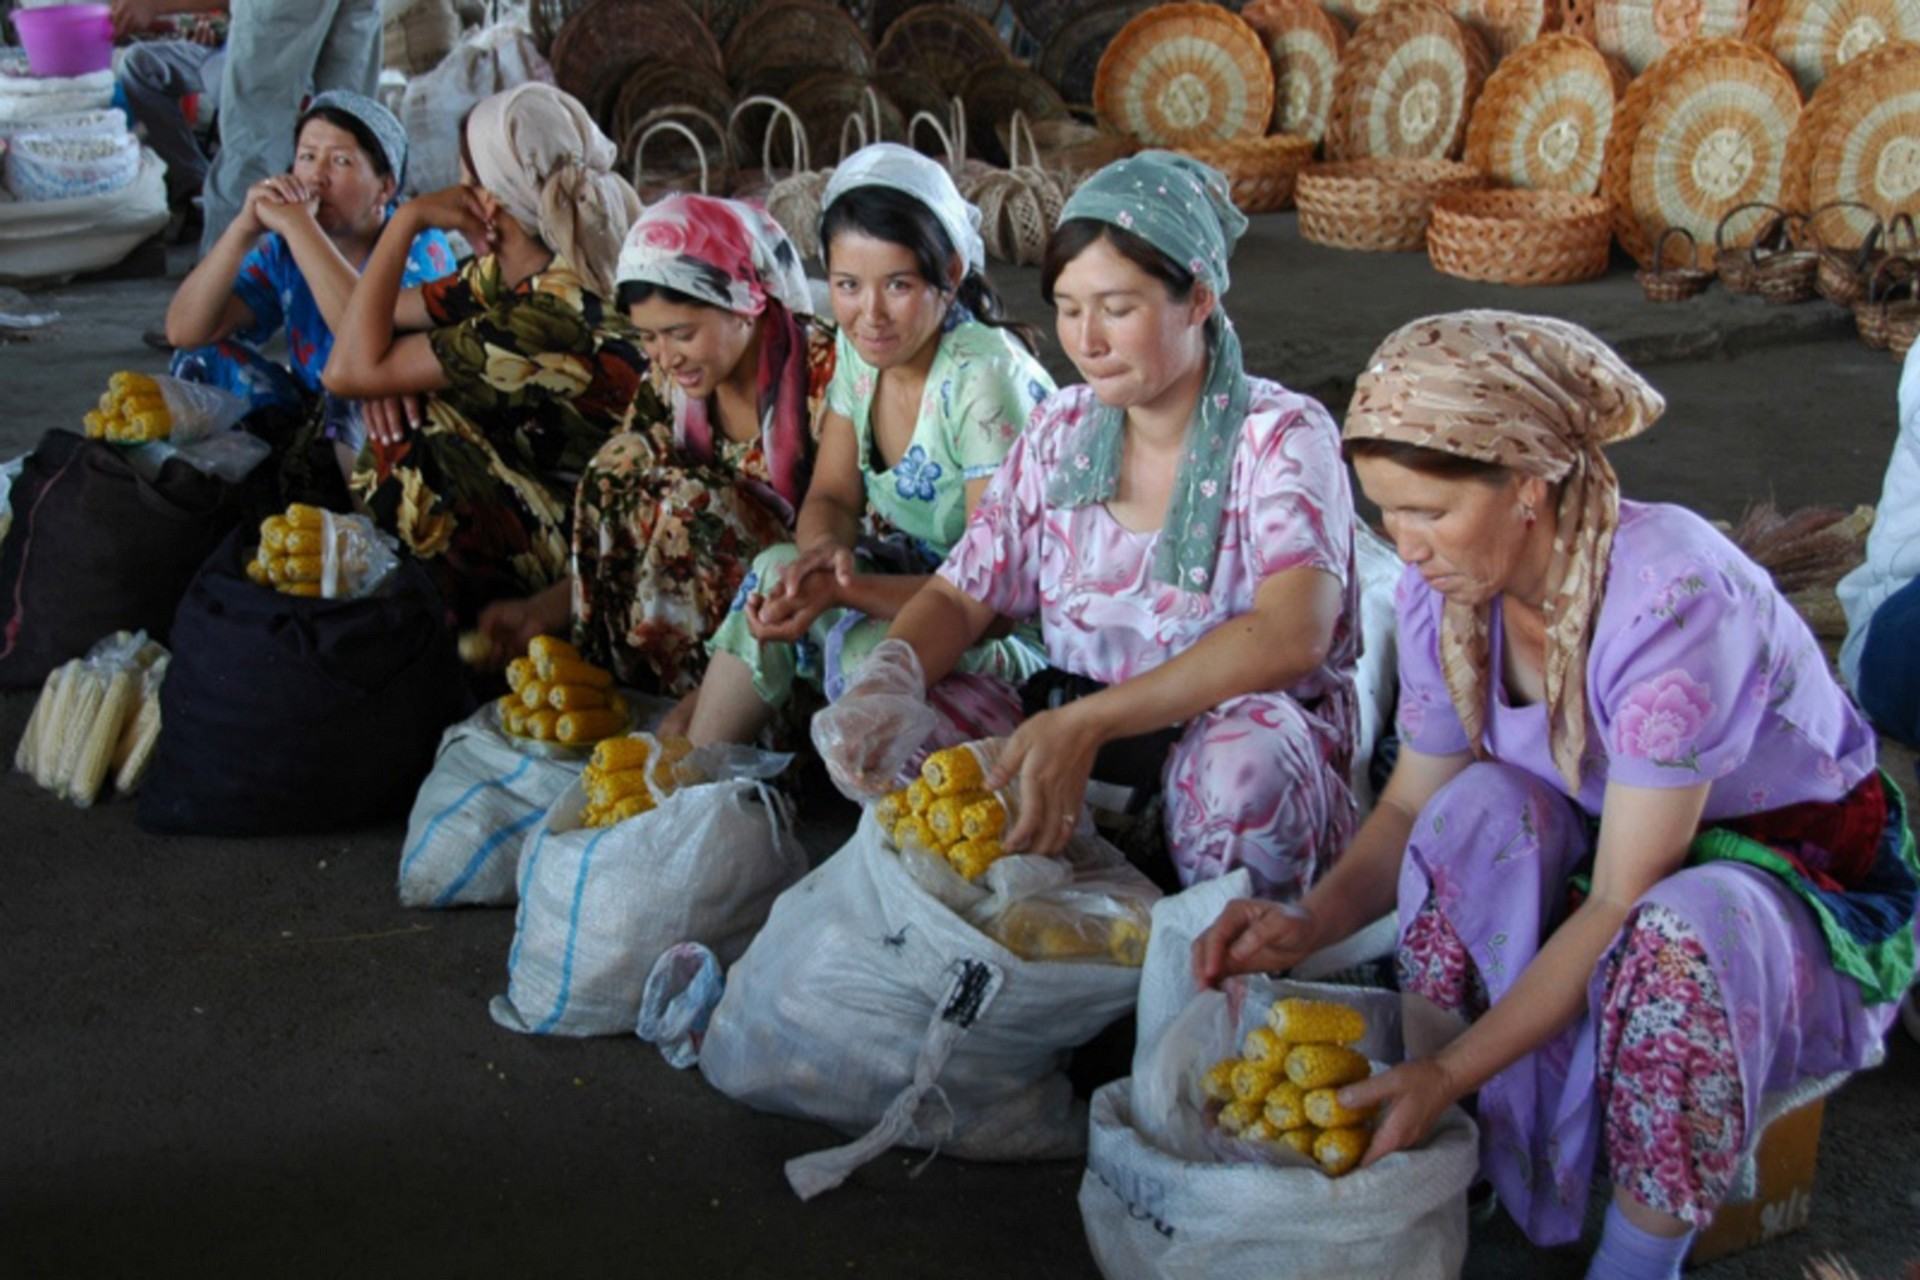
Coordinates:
(282, 714)
(96, 547)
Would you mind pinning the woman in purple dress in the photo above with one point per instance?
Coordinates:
(1635, 833)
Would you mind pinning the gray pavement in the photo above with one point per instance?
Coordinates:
(243, 1058)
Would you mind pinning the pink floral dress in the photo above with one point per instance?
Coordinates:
(1259, 781)
(1720, 993)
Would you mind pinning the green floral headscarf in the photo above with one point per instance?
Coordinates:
(1180, 207)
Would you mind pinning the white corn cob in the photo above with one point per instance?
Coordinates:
(145, 732)
(75, 727)
(27, 754)
(96, 750)
(52, 742)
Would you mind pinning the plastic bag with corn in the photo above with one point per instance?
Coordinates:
(97, 720)
(140, 408)
(868, 734)
(306, 551)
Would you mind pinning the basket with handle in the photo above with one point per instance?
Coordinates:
(1841, 275)
(1874, 314)
(1020, 204)
(1783, 271)
(1662, 283)
(662, 121)
(1734, 263)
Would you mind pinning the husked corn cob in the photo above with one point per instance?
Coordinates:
(257, 572)
(631, 807)
(1252, 1081)
(1127, 942)
(96, 423)
(1316, 1022)
(519, 671)
(612, 788)
(273, 534)
(1218, 1082)
(913, 829)
(311, 590)
(1285, 1106)
(1338, 1150)
(1324, 1109)
(971, 858)
(149, 424)
(574, 671)
(549, 648)
(1260, 1131)
(541, 722)
(575, 697)
(943, 815)
(301, 515)
(96, 753)
(1300, 1140)
(591, 725)
(300, 568)
(952, 770)
(890, 808)
(919, 795)
(126, 382)
(616, 754)
(1325, 1066)
(513, 716)
(667, 769)
(984, 819)
(303, 542)
(533, 694)
(1265, 1046)
(1236, 1116)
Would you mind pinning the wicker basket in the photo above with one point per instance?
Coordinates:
(1376, 205)
(1662, 283)
(1903, 326)
(1734, 263)
(1183, 75)
(1261, 171)
(1841, 277)
(1520, 237)
(1874, 314)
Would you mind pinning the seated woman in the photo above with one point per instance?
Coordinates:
(1185, 534)
(930, 388)
(711, 465)
(1881, 656)
(1745, 911)
(321, 221)
(529, 366)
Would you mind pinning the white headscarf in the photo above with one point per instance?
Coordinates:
(888, 164)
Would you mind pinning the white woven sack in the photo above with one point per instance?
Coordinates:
(868, 1005)
(473, 814)
(482, 64)
(70, 166)
(1377, 679)
(49, 239)
(25, 98)
(598, 906)
(99, 122)
(1159, 1203)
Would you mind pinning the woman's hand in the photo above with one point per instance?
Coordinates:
(283, 201)
(389, 418)
(807, 588)
(1255, 936)
(464, 209)
(1052, 756)
(1414, 1093)
(512, 624)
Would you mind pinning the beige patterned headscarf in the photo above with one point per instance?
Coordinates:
(1541, 397)
(541, 155)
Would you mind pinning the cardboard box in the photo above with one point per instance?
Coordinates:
(1789, 1150)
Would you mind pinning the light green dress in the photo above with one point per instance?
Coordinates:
(980, 391)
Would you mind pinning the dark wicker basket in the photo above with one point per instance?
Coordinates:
(1662, 283)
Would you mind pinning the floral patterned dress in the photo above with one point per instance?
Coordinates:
(1259, 781)
(540, 376)
(662, 541)
(1752, 972)
(981, 388)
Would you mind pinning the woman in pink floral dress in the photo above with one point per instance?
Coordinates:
(1635, 832)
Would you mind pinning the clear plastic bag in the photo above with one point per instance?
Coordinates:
(229, 456)
(356, 558)
(88, 723)
(867, 737)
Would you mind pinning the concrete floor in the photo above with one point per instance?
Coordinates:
(242, 1058)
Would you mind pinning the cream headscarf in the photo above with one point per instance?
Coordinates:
(1539, 396)
(540, 154)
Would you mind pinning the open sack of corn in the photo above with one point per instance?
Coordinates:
(706, 850)
(97, 720)
(891, 998)
(1178, 1186)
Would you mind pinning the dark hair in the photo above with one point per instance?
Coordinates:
(362, 135)
(1428, 462)
(634, 292)
(1076, 235)
(898, 218)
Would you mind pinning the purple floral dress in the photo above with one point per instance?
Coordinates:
(1719, 994)
(1259, 781)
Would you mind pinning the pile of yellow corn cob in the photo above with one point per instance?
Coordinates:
(949, 812)
(555, 695)
(1284, 1090)
(630, 776)
(96, 722)
(131, 411)
(293, 551)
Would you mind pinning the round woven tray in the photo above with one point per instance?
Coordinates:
(941, 42)
(1185, 75)
(1351, 13)
(1378, 205)
(653, 85)
(1043, 19)
(1260, 171)
(880, 15)
(1639, 32)
(1405, 85)
(1304, 42)
(1520, 237)
(994, 92)
(788, 41)
(1071, 59)
(1810, 130)
(608, 37)
(1506, 25)
(1815, 38)
(1702, 131)
(1869, 152)
(1543, 118)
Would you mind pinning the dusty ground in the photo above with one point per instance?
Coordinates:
(242, 1058)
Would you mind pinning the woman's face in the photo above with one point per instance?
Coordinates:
(1466, 536)
(698, 347)
(334, 166)
(880, 299)
(1125, 333)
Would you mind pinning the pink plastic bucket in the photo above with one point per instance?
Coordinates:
(66, 39)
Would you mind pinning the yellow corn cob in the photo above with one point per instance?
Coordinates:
(1218, 1082)
(96, 424)
(1325, 1066)
(575, 697)
(257, 572)
(151, 424)
(108, 405)
(667, 768)
(514, 717)
(96, 753)
(890, 808)
(611, 788)
(617, 754)
(913, 829)
(943, 815)
(590, 725)
(1265, 1047)
(273, 534)
(540, 724)
(1286, 1105)
(475, 647)
(136, 401)
(300, 568)
(1338, 1150)
(1260, 1131)
(549, 648)
(1324, 1109)
(1300, 1140)
(971, 858)
(519, 671)
(301, 515)
(1252, 1081)
(127, 380)
(919, 795)
(1236, 1116)
(574, 671)
(311, 590)
(303, 542)
(953, 770)
(1127, 942)
(984, 819)
(594, 816)
(1316, 1022)
(631, 807)
(533, 695)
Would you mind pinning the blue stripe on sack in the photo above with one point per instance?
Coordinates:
(573, 936)
(426, 837)
(520, 914)
(483, 854)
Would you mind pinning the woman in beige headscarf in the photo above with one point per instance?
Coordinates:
(1635, 831)
(525, 364)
